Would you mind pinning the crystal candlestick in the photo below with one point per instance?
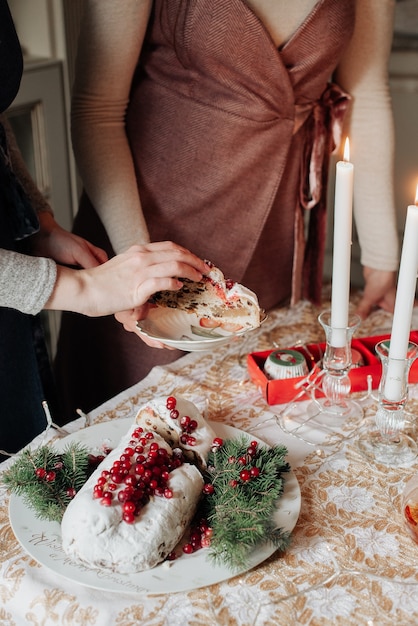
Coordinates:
(336, 363)
(388, 444)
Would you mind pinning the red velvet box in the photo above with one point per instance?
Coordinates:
(282, 391)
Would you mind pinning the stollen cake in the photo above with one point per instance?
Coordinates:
(217, 302)
(134, 509)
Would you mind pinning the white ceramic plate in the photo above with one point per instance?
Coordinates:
(42, 540)
(181, 330)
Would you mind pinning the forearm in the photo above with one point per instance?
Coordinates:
(374, 201)
(363, 72)
(105, 164)
(110, 43)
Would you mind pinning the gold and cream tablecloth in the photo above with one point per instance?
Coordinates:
(350, 561)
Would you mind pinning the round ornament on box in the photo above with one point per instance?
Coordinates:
(282, 364)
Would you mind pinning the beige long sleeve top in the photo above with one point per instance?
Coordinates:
(110, 44)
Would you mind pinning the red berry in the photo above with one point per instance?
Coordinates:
(188, 548)
(171, 402)
(218, 442)
(192, 425)
(129, 506)
(245, 475)
(40, 472)
(174, 414)
(185, 421)
(50, 476)
(71, 492)
(97, 491)
(233, 482)
(168, 493)
(128, 517)
(255, 472)
(208, 489)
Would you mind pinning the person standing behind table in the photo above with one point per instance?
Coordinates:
(30, 281)
(217, 131)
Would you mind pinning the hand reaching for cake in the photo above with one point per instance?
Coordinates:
(126, 281)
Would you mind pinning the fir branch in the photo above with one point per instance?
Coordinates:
(241, 512)
(47, 480)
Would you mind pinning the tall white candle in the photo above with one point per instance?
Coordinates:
(343, 217)
(404, 303)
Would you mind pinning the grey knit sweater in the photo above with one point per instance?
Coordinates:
(25, 282)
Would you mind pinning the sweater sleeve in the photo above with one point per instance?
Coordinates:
(26, 282)
(110, 43)
(363, 72)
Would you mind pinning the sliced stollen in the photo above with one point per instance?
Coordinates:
(217, 302)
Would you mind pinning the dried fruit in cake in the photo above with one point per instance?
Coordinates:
(216, 301)
(180, 423)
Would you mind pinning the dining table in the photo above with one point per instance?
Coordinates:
(350, 559)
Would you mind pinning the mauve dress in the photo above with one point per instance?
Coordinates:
(231, 140)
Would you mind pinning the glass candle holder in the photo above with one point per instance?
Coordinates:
(337, 361)
(388, 444)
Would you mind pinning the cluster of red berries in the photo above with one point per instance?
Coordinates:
(142, 471)
(42, 474)
(187, 424)
(199, 537)
(49, 476)
(247, 473)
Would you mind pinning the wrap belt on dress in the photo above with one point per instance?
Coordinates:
(325, 119)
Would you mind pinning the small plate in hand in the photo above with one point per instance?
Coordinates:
(181, 330)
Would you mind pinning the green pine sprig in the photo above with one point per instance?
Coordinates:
(47, 480)
(241, 513)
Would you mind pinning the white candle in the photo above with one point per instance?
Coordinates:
(404, 303)
(343, 217)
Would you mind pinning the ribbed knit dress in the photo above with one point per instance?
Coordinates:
(231, 140)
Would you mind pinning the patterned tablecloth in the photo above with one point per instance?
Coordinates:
(350, 560)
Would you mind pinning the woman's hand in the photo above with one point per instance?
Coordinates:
(125, 282)
(128, 319)
(379, 291)
(55, 242)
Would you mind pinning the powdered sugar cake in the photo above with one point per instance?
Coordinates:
(217, 302)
